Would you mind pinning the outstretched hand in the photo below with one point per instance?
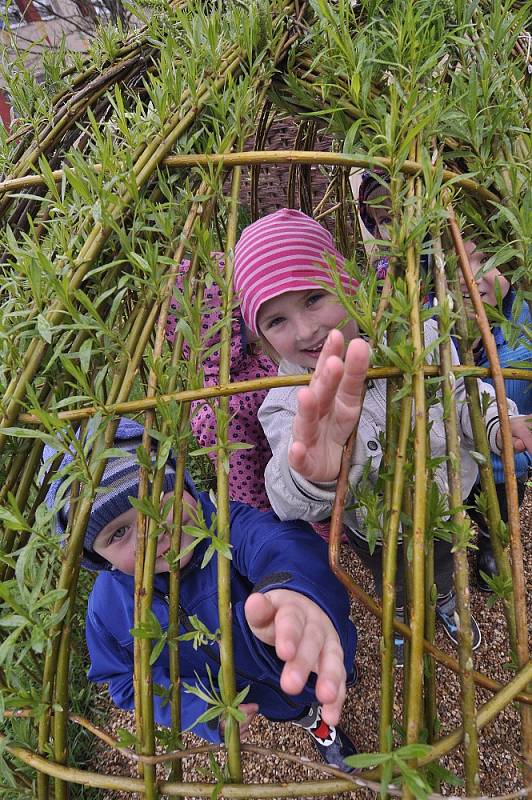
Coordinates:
(329, 408)
(306, 640)
(521, 434)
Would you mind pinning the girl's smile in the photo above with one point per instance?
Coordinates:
(296, 324)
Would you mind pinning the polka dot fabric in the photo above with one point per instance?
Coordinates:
(246, 467)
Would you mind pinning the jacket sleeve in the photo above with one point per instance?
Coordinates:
(488, 403)
(111, 653)
(291, 496)
(273, 554)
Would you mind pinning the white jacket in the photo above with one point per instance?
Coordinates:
(294, 497)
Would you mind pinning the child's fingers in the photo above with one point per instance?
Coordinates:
(333, 346)
(260, 616)
(351, 386)
(250, 710)
(306, 420)
(525, 434)
(330, 686)
(290, 629)
(300, 649)
(297, 457)
(325, 388)
(331, 711)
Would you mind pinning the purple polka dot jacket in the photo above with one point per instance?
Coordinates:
(246, 467)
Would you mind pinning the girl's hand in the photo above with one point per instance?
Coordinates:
(329, 408)
(306, 640)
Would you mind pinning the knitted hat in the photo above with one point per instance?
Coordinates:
(119, 482)
(368, 185)
(286, 251)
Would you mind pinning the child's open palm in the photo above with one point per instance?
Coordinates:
(328, 408)
(306, 640)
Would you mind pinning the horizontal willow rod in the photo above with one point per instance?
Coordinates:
(274, 157)
(122, 783)
(238, 791)
(188, 395)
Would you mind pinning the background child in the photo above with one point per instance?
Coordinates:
(290, 614)
(374, 207)
(518, 391)
(282, 276)
(375, 211)
(246, 467)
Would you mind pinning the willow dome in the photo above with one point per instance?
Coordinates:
(161, 145)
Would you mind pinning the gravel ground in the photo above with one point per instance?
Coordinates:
(499, 742)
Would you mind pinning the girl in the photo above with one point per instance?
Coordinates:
(246, 466)
(285, 285)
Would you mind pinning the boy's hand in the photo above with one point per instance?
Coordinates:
(328, 408)
(305, 638)
(249, 710)
(521, 434)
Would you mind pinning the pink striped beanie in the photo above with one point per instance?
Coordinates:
(286, 251)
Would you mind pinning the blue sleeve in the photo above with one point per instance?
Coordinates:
(275, 554)
(111, 654)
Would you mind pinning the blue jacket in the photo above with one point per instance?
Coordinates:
(518, 391)
(266, 554)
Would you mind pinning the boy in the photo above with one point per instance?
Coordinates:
(290, 614)
(490, 283)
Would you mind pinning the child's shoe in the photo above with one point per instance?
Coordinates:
(398, 650)
(446, 613)
(331, 742)
(485, 562)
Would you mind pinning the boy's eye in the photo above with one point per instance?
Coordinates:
(119, 534)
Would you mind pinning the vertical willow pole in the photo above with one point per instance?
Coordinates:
(224, 565)
(415, 683)
(465, 652)
(510, 484)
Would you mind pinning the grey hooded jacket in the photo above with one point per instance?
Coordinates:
(294, 497)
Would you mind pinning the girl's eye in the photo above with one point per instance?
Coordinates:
(274, 322)
(119, 534)
(314, 298)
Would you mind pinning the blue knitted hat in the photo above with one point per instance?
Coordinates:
(119, 482)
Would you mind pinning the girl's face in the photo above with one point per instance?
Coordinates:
(117, 541)
(381, 212)
(296, 324)
(382, 216)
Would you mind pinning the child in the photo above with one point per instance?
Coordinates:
(290, 614)
(374, 208)
(518, 391)
(375, 212)
(282, 277)
(246, 466)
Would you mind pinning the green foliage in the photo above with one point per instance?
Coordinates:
(89, 261)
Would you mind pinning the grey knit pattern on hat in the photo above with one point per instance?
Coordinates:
(120, 482)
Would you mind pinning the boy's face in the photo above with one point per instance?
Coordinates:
(486, 282)
(117, 541)
(296, 324)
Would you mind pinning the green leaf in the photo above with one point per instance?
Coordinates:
(44, 328)
(157, 650)
(364, 760)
